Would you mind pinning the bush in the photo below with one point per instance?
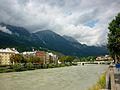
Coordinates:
(51, 66)
(29, 66)
(2, 70)
(18, 67)
(67, 64)
(56, 65)
(37, 66)
(101, 83)
(9, 70)
(62, 65)
(45, 66)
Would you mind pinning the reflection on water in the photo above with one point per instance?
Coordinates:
(65, 78)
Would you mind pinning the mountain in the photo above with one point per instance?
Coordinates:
(19, 38)
(71, 39)
(74, 42)
(19, 31)
(88, 50)
(56, 42)
(68, 45)
(22, 39)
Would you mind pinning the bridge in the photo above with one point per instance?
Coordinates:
(95, 62)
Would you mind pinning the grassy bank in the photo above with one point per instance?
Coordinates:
(100, 84)
(29, 66)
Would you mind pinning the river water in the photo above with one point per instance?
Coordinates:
(64, 78)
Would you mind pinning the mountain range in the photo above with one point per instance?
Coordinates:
(23, 40)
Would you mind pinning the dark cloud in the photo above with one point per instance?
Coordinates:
(69, 17)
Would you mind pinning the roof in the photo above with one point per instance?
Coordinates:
(8, 50)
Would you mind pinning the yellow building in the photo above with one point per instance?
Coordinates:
(5, 55)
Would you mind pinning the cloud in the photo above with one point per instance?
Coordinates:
(85, 20)
(4, 29)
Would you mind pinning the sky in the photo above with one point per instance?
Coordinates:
(85, 20)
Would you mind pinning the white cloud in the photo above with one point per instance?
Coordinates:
(4, 29)
(67, 17)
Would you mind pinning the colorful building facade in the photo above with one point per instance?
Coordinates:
(5, 55)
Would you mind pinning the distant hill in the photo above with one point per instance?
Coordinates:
(21, 39)
(56, 42)
(71, 39)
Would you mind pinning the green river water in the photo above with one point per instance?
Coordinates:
(64, 78)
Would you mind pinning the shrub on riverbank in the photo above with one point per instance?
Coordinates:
(30, 66)
(18, 67)
(6, 70)
(51, 66)
(101, 83)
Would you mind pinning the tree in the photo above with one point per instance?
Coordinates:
(33, 59)
(37, 60)
(69, 59)
(17, 58)
(62, 59)
(114, 38)
(65, 59)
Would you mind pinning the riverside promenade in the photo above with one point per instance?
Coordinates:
(117, 78)
(114, 79)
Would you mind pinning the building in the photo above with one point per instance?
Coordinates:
(104, 58)
(42, 55)
(53, 58)
(47, 57)
(28, 53)
(5, 55)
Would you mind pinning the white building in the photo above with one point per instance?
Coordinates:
(53, 57)
(104, 58)
(5, 55)
(29, 53)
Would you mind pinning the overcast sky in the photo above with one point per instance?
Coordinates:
(85, 20)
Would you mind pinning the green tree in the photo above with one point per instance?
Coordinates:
(65, 59)
(37, 60)
(33, 59)
(29, 59)
(62, 59)
(17, 58)
(69, 59)
(114, 38)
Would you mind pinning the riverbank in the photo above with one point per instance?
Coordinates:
(101, 84)
(29, 66)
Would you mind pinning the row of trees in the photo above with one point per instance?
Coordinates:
(114, 38)
(71, 59)
(88, 59)
(65, 59)
(18, 58)
(23, 63)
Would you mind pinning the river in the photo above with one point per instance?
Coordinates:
(64, 78)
